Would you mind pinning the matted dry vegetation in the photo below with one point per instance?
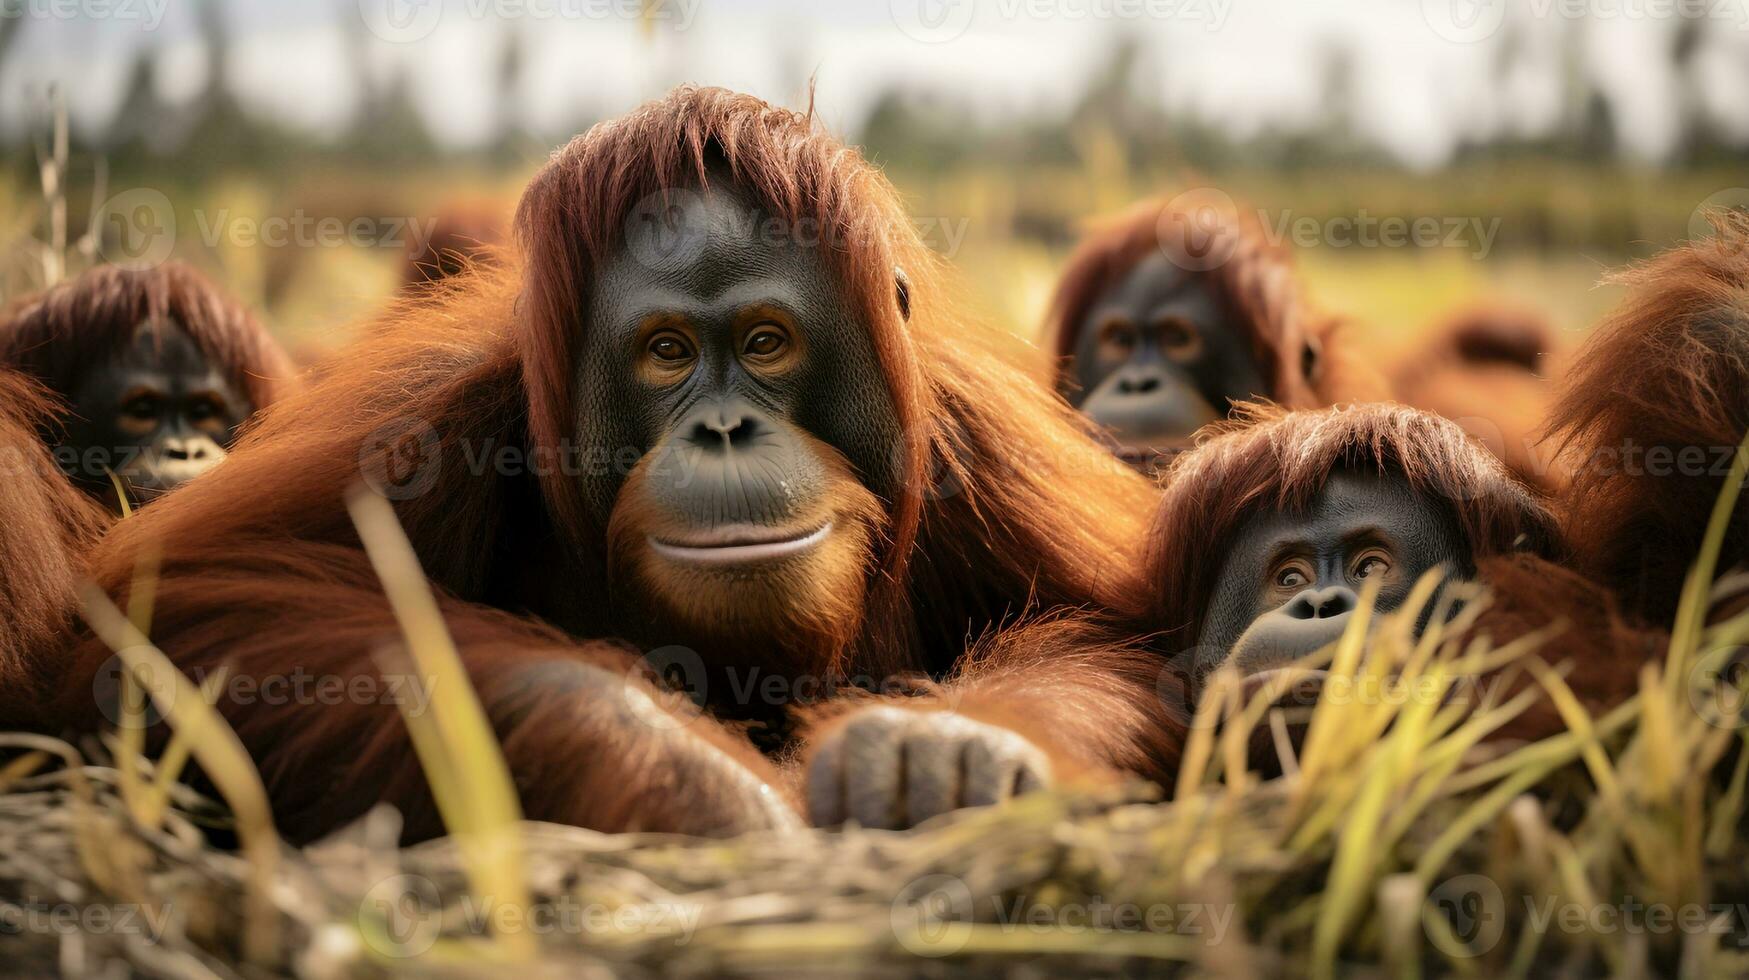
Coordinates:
(1398, 843)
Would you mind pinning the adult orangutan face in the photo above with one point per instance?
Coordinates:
(750, 386)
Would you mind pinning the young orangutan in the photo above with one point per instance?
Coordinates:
(1306, 509)
(157, 371)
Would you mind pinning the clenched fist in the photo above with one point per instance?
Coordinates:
(890, 768)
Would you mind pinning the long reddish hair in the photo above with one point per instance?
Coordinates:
(573, 215)
(1664, 372)
(1007, 501)
(46, 526)
(461, 235)
(57, 336)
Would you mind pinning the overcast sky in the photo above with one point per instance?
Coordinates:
(1421, 63)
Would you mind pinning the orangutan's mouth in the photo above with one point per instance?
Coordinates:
(740, 544)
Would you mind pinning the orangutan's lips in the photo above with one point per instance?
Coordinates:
(738, 544)
(1157, 456)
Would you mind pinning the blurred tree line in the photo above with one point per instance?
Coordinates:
(1564, 186)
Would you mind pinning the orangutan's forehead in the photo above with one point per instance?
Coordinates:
(703, 242)
(1355, 500)
(1349, 491)
(1153, 278)
(162, 343)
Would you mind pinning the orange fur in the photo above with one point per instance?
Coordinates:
(1664, 374)
(46, 527)
(1009, 501)
(818, 607)
(1097, 702)
(1490, 368)
(461, 236)
(1595, 643)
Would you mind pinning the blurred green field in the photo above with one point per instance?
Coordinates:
(1554, 230)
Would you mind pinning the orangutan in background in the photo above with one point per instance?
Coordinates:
(1648, 420)
(1492, 369)
(1177, 309)
(462, 236)
(156, 371)
(1305, 510)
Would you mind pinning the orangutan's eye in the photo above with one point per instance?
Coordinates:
(143, 408)
(1293, 576)
(670, 348)
(1180, 339)
(765, 342)
(1370, 564)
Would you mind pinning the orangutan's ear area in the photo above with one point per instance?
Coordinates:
(753, 390)
(1292, 579)
(1159, 356)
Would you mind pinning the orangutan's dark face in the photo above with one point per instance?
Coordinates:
(729, 359)
(1292, 580)
(157, 414)
(1158, 356)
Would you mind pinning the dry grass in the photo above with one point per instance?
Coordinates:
(1398, 843)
